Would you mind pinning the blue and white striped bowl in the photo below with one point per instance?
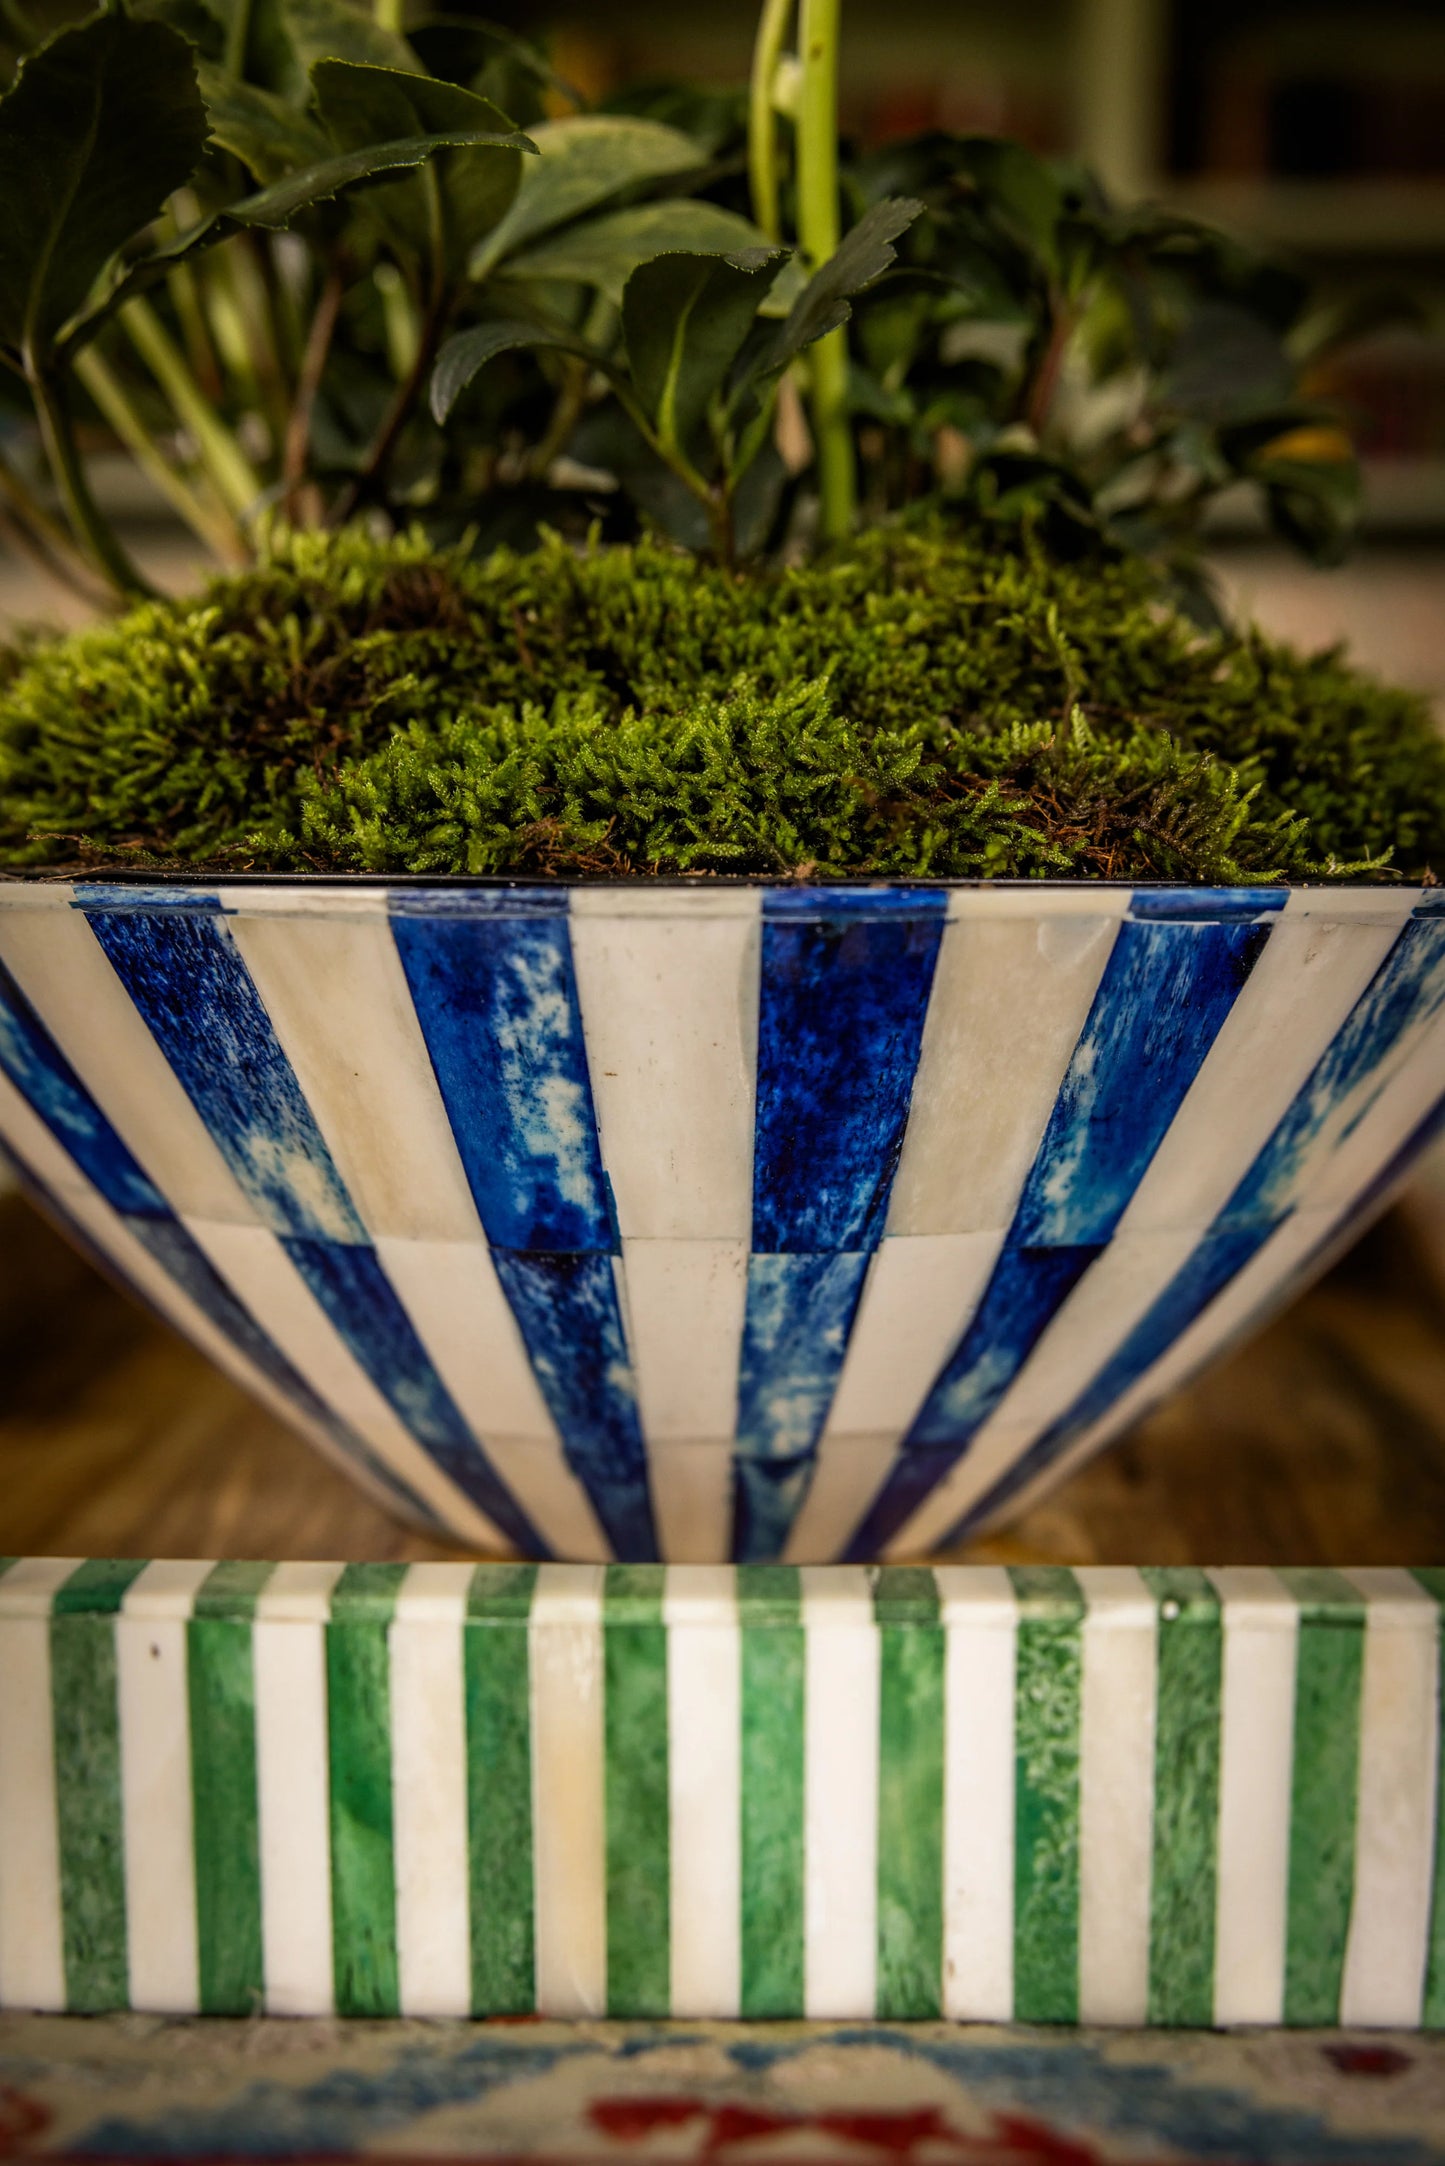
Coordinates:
(725, 1220)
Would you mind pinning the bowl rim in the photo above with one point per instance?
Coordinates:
(195, 882)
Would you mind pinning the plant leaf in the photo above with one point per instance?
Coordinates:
(99, 127)
(363, 105)
(605, 251)
(273, 208)
(467, 353)
(862, 256)
(685, 319)
(586, 159)
(269, 136)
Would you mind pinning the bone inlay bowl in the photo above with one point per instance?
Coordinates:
(715, 1220)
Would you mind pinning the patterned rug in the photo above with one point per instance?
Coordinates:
(138, 2088)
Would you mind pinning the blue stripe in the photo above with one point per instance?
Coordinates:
(827, 905)
(567, 1309)
(1207, 905)
(54, 1092)
(844, 995)
(184, 973)
(767, 1497)
(1405, 995)
(1028, 1288)
(356, 1294)
(113, 896)
(1165, 992)
(497, 1002)
(1166, 989)
(187, 979)
(800, 1310)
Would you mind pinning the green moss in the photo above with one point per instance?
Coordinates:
(912, 705)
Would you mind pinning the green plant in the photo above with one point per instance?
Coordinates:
(912, 703)
(249, 234)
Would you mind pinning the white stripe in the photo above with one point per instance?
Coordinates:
(1256, 1772)
(57, 1171)
(847, 1478)
(1295, 1000)
(338, 999)
(257, 1268)
(1010, 997)
(429, 1790)
(685, 1302)
(293, 1787)
(1290, 1009)
(1388, 1945)
(980, 1620)
(1309, 1238)
(155, 1781)
(692, 1501)
(920, 1292)
(840, 1817)
(451, 1291)
(67, 977)
(339, 1003)
(704, 1743)
(454, 1298)
(1116, 1794)
(32, 1947)
(669, 1000)
(568, 1777)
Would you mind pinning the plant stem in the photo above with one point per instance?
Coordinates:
(762, 121)
(818, 234)
(214, 527)
(236, 481)
(389, 15)
(89, 525)
(408, 391)
(308, 383)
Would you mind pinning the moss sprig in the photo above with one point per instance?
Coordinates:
(915, 704)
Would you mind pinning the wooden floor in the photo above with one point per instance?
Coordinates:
(1322, 1442)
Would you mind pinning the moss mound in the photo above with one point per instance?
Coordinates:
(914, 705)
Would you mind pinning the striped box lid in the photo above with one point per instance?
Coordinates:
(1108, 1795)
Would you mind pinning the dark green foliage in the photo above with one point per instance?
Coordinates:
(913, 705)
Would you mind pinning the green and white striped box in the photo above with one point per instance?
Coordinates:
(1103, 1796)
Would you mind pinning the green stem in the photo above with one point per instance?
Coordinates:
(762, 121)
(90, 527)
(219, 532)
(234, 478)
(818, 234)
(389, 15)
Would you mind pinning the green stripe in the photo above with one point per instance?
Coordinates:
(770, 1616)
(1432, 1579)
(635, 1708)
(222, 1690)
(1186, 1797)
(910, 1793)
(499, 1788)
(87, 1783)
(1322, 1799)
(363, 1871)
(1047, 1701)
